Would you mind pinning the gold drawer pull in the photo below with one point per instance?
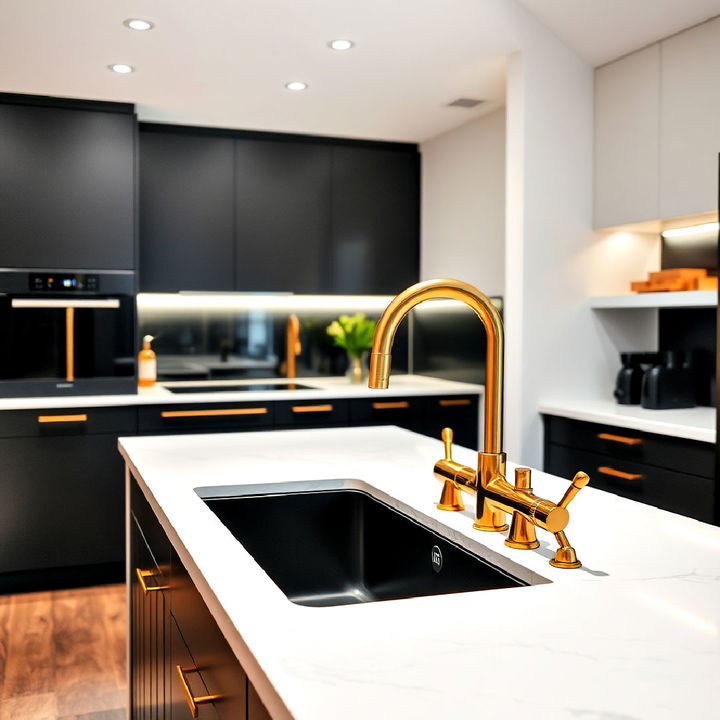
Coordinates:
(398, 405)
(312, 408)
(190, 699)
(620, 439)
(605, 470)
(142, 574)
(62, 418)
(452, 403)
(213, 413)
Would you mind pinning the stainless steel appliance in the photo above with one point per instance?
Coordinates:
(67, 333)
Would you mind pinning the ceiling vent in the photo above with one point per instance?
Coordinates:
(465, 103)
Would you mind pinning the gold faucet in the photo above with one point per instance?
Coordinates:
(495, 496)
(292, 344)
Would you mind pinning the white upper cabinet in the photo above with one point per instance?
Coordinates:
(690, 121)
(657, 130)
(627, 102)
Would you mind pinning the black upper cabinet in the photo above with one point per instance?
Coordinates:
(282, 216)
(186, 212)
(375, 215)
(67, 184)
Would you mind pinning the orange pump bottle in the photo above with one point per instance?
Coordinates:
(147, 364)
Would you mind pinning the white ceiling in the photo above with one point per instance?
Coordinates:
(224, 62)
(602, 30)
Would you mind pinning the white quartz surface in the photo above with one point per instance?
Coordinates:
(693, 423)
(635, 633)
(320, 387)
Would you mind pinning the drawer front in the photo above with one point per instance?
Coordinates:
(459, 412)
(152, 532)
(684, 456)
(312, 413)
(405, 411)
(221, 671)
(685, 494)
(215, 417)
(187, 682)
(68, 421)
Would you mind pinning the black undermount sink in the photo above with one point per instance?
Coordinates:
(337, 547)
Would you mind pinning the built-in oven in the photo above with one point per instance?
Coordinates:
(66, 333)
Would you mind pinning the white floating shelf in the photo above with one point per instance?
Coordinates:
(687, 299)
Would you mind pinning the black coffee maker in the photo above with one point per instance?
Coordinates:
(628, 386)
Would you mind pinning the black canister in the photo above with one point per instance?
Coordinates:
(669, 384)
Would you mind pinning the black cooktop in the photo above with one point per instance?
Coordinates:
(237, 388)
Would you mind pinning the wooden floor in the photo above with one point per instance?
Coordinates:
(62, 655)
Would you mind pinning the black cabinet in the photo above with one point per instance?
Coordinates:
(206, 417)
(178, 655)
(67, 184)
(229, 210)
(375, 216)
(282, 216)
(62, 490)
(187, 220)
(671, 473)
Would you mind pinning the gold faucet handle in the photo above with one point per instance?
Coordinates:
(580, 480)
(447, 438)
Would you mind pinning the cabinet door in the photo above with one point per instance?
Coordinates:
(375, 220)
(627, 105)
(67, 186)
(457, 412)
(62, 502)
(186, 212)
(689, 126)
(282, 216)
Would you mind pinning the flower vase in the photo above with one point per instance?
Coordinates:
(356, 371)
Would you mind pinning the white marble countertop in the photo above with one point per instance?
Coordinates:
(635, 633)
(320, 387)
(696, 423)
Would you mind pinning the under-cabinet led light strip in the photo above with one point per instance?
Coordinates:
(706, 228)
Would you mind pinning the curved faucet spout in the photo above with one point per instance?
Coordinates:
(380, 358)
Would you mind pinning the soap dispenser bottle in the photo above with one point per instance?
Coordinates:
(147, 364)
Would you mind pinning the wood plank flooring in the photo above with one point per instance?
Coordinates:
(62, 655)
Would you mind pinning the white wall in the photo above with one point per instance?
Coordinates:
(463, 204)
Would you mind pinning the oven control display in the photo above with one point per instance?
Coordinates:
(60, 282)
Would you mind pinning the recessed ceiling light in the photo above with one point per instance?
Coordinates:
(296, 85)
(138, 24)
(121, 68)
(341, 44)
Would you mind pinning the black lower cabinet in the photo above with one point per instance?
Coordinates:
(670, 473)
(181, 665)
(61, 518)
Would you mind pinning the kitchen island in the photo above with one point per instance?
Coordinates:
(634, 633)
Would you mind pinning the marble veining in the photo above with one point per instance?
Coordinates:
(634, 634)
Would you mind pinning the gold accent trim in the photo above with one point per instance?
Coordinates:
(70, 344)
(620, 439)
(612, 472)
(312, 408)
(213, 413)
(142, 574)
(399, 405)
(451, 403)
(82, 417)
(191, 700)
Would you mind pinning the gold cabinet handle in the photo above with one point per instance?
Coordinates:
(398, 405)
(213, 413)
(620, 439)
(451, 403)
(191, 700)
(82, 417)
(142, 574)
(605, 470)
(312, 408)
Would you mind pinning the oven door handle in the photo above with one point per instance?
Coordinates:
(106, 303)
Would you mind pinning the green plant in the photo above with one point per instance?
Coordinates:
(354, 333)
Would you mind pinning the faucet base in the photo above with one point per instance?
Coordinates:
(523, 544)
(478, 525)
